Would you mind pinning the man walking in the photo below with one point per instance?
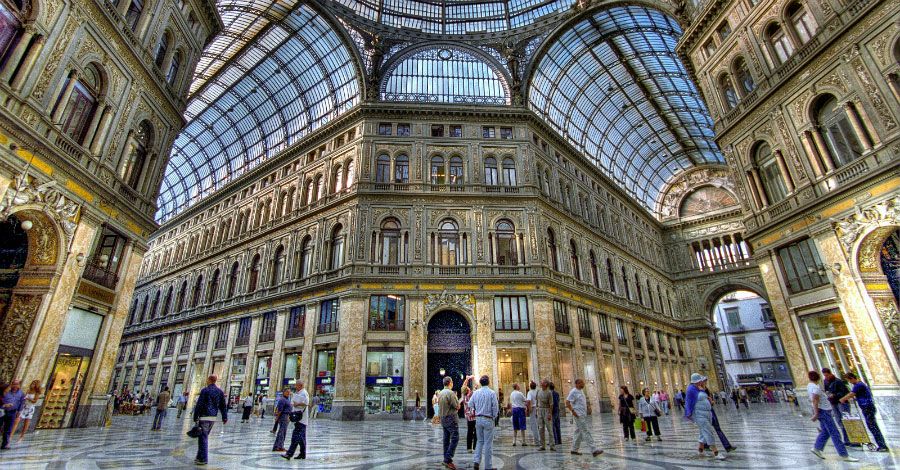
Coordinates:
(835, 389)
(557, 432)
(864, 400)
(181, 404)
(162, 404)
(210, 403)
(282, 417)
(12, 402)
(544, 406)
(486, 407)
(518, 404)
(580, 409)
(448, 407)
(300, 403)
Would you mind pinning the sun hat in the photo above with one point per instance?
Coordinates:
(696, 378)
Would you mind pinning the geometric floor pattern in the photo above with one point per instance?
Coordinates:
(767, 436)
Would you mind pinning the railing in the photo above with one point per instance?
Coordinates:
(100, 275)
(325, 328)
(389, 270)
(605, 337)
(638, 345)
(851, 171)
(201, 346)
(220, 344)
(266, 337)
(585, 333)
(294, 333)
(242, 341)
(379, 324)
(562, 328)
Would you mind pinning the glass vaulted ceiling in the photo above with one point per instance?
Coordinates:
(291, 78)
(614, 87)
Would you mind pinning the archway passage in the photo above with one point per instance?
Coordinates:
(13, 254)
(449, 351)
(890, 263)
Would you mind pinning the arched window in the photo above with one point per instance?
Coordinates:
(448, 243)
(139, 144)
(490, 172)
(155, 308)
(144, 308)
(438, 170)
(198, 288)
(383, 169)
(337, 247)
(10, 28)
(308, 192)
(547, 188)
(162, 47)
(253, 281)
(650, 295)
(625, 284)
(320, 187)
(133, 14)
(390, 242)
(337, 179)
(277, 265)
(182, 296)
(802, 21)
(305, 257)
(456, 171)
(507, 252)
(167, 303)
(349, 173)
(551, 250)
(213, 289)
(509, 172)
(637, 287)
(401, 169)
(595, 275)
(843, 143)
(233, 278)
(79, 110)
(729, 96)
(772, 179)
(610, 277)
(172, 73)
(780, 42)
(573, 258)
(742, 75)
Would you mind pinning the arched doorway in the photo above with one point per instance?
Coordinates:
(890, 263)
(13, 254)
(449, 350)
(878, 262)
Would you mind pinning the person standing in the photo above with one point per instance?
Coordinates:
(486, 408)
(627, 413)
(745, 399)
(664, 401)
(469, 413)
(12, 402)
(210, 403)
(863, 396)
(557, 436)
(578, 405)
(162, 404)
(314, 407)
(650, 412)
(531, 410)
(31, 399)
(679, 399)
(418, 408)
(282, 412)
(543, 400)
(822, 412)
(499, 406)
(436, 419)
(698, 409)
(835, 389)
(299, 405)
(248, 408)
(518, 404)
(448, 407)
(181, 404)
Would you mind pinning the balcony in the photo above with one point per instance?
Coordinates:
(622, 341)
(585, 333)
(379, 324)
(326, 328)
(98, 274)
(242, 341)
(562, 328)
(605, 337)
(294, 333)
(267, 336)
(201, 346)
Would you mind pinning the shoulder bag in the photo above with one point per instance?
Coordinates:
(296, 416)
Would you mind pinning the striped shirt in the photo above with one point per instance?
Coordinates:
(484, 402)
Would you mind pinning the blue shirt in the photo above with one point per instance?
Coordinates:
(555, 403)
(16, 399)
(690, 400)
(283, 405)
(210, 403)
(484, 402)
(863, 395)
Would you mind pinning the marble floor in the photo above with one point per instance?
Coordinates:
(766, 436)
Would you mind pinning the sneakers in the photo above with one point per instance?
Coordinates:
(719, 456)
(730, 449)
(199, 462)
(818, 453)
(542, 448)
(647, 439)
(849, 459)
(450, 465)
(596, 453)
(575, 452)
(477, 466)
(882, 449)
(286, 457)
(659, 439)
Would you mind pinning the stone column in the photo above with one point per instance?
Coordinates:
(544, 329)
(812, 154)
(782, 167)
(764, 199)
(484, 354)
(225, 380)
(416, 353)
(102, 130)
(788, 327)
(17, 53)
(250, 369)
(823, 150)
(751, 185)
(28, 63)
(348, 392)
(307, 359)
(66, 94)
(276, 373)
(857, 125)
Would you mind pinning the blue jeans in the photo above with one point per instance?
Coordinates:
(451, 436)
(203, 440)
(715, 424)
(282, 422)
(829, 429)
(557, 432)
(842, 408)
(484, 428)
(158, 419)
(298, 437)
(6, 422)
(868, 412)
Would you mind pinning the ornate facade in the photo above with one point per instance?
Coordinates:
(92, 95)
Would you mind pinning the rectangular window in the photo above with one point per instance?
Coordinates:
(328, 316)
(437, 130)
(456, 130)
(488, 132)
(636, 337)
(386, 312)
(403, 130)
(709, 48)
(151, 374)
(620, 332)
(384, 128)
(202, 338)
(561, 317)
(221, 336)
(157, 345)
(243, 334)
(179, 373)
(733, 315)
(170, 345)
(267, 327)
(803, 270)
(511, 313)
(506, 133)
(604, 327)
(740, 347)
(584, 323)
(296, 321)
(724, 31)
(164, 377)
(775, 342)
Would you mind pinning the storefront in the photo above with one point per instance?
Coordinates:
(512, 366)
(325, 364)
(261, 384)
(76, 349)
(384, 381)
(236, 380)
(180, 372)
(832, 345)
(291, 369)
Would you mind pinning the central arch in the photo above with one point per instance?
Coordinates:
(449, 350)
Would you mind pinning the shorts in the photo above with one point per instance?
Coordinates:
(27, 412)
(518, 419)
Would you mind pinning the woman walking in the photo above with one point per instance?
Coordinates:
(469, 412)
(822, 412)
(698, 408)
(248, 407)
(434, 405)
(650, 413)
(627, 413)
(31, 398)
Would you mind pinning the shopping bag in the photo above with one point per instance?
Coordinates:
(643, 426)
(194, 431)
(638, 423)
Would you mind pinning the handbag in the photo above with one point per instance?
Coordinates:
(194, 431)
(643, 426)
(296, 416)
(657, 412)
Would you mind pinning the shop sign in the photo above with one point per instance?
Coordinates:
(384, 380)
(262, 381)
(324, 380)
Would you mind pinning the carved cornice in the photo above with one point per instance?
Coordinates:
(851, 228)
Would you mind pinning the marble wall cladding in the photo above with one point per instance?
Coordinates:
(416, 356)
(791, 337)
(348, 386)
(485, 353)
(545, 337)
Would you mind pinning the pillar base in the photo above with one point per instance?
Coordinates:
(92, 413)
(347, 411)
(606, 406)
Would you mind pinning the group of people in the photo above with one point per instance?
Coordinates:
(17, 407)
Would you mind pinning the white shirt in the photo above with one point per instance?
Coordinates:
(300, 401)
(248, 401)
(530, 397)
(579, 402)
(517, 399)
(813, 390)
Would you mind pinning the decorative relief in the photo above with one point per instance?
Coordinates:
(879, 46)
(478, 230)
(55, 58)
(25, 190)
(687, 182)
(16, 329)
(781, 124)
(890, 318)
(798, 110)
(458, 214)
(435, 302)
(418, 235)
(871, 89)
(851, 228)
(834, 81)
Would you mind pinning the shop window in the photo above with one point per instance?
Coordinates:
(296, 321)
(292, 363)
(561, 317)
(263, 371)
(403, 130)
(384, 128)
(803, 270)
(401, 169)
(384, 381)
(329, 311)
(325, 366)
(386, 312)
(511, 313)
